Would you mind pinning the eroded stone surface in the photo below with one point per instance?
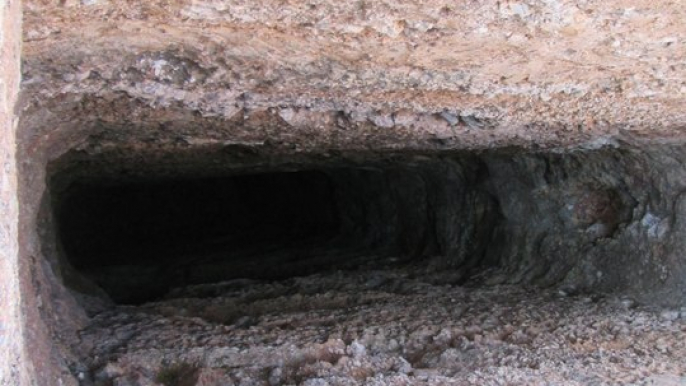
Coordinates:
(14, 369)
(470, 75)
(382, 328)
(588, 94)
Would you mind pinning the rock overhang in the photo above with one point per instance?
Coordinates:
(441, 78)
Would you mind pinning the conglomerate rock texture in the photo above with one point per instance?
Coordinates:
(518, 156)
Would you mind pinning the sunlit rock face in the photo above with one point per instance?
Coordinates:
(171, 144)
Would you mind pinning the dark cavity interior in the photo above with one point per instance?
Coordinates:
(137, 240)
(585, 220)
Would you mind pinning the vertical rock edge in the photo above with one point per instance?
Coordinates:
(14, 369)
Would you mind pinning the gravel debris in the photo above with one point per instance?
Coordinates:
(336, 329)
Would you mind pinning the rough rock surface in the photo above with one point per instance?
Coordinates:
(548, 73)
(14, 368)
(382, 327)
(527, 144)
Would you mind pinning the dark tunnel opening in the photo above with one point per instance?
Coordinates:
(246, 249)
(582, 221)
(138, 240)
(163, 234)
(145, 222)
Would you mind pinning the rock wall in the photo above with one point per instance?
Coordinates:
(568, 117)
(470, 75)
(607, 220)
(14, 369)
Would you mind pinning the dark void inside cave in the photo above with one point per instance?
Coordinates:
(600, 220)
(138, 239)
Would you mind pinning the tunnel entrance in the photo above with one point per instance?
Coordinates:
(139, 239)
(141, 226)
(236, 265)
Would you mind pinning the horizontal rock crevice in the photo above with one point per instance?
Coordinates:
(592, 220)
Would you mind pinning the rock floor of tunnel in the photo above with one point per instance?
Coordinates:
(382, 327)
